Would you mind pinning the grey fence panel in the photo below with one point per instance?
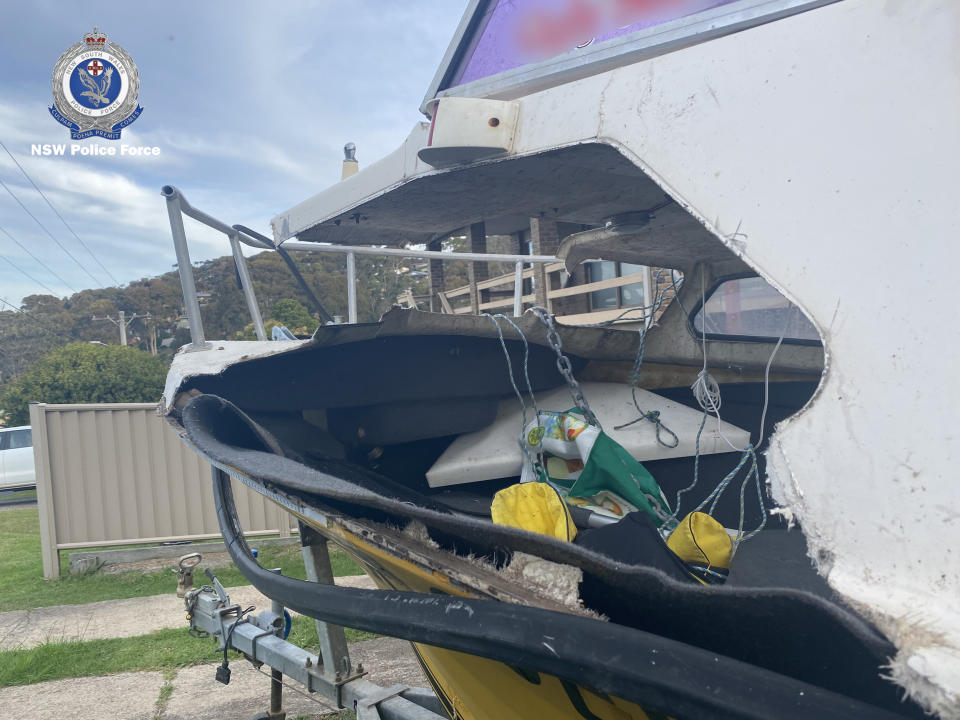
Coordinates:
(117, 474)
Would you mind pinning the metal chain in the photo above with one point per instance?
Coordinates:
(564, 366)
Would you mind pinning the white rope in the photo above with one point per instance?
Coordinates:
(766, 377)
(707, 392)
(705, 389)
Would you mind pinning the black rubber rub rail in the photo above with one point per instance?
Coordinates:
(654, 672)
(657, 673)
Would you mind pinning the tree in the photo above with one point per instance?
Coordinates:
(45, 322)
(294, 315)
(289, 313)
(84, 373)
(24, 338)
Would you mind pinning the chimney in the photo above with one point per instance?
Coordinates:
(350, 164)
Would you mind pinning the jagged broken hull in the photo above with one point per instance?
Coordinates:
(509, 623)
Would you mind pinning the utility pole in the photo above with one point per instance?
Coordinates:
(122, 322)
(152, 336)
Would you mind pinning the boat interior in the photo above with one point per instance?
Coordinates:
(353, 421)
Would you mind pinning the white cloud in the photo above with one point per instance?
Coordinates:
(246, 129)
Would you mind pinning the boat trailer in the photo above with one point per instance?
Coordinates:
(260, 638)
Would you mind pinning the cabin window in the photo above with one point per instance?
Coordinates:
(749, 308)
(630, 295)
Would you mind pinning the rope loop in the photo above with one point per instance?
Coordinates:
(654, 415)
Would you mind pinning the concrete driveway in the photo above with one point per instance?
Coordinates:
(187, 693)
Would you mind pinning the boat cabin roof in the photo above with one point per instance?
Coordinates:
(585, 184)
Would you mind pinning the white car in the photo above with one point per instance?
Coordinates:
(16, 458)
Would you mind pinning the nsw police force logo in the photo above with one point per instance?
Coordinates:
(95, 86)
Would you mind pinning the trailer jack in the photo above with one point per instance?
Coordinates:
(260, 637)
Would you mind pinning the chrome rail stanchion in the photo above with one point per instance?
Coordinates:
(351, 287)
(190, 302)
(246, 284)
(518, 289)
(648, 295)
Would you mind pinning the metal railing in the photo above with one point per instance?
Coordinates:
(178, 206)
(655, 283)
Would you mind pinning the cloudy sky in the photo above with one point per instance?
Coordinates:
(249, 102)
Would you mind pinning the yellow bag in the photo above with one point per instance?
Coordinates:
(534, 506)
(702, 543)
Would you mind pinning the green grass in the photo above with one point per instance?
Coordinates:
(166, 692)
(23, 586)
(19, 495)
(163, 650)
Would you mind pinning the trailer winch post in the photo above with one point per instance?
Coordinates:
(333, 641)
(276, 676)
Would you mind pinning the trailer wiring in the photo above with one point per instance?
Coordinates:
(223, 671)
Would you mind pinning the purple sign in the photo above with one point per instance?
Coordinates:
(520, 32)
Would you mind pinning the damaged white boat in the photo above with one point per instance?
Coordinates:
(789, 165)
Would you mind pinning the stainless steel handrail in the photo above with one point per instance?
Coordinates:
(178, 206)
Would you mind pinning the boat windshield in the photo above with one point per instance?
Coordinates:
(749, 308)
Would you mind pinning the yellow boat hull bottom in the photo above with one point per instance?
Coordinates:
(476, 688)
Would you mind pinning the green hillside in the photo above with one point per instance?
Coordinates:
(46, 322)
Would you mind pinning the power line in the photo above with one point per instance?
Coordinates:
(39, 261)
(51, 326)
(57, 212)
(28, 275)
(15, 308)
(44, 228)
(39, 319)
